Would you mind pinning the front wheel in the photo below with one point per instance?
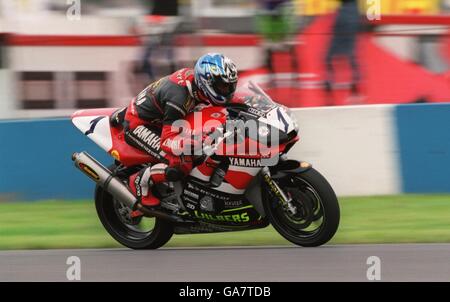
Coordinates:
(312, 217)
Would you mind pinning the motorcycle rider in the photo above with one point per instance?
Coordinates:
(149, 117)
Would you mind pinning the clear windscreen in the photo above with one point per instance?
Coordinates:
(258, 99)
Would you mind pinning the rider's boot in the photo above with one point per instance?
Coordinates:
(140, 184)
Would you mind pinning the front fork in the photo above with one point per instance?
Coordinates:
(285, 200)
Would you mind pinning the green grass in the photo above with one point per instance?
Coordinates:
(380, 219)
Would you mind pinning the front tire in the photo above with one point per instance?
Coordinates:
(317, 209)
(140, 233)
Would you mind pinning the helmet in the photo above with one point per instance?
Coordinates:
(216, 76)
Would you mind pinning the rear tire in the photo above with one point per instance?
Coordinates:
(324, 209)
(128, 234)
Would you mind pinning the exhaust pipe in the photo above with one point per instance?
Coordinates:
(103, 177)
(113, 185)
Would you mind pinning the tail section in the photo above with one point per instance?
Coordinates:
(94, 123)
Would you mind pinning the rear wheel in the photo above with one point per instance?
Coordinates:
(313, 218)
(136, 233)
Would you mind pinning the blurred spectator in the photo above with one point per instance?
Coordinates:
(157, 31)
(345, 30)
(445, 5)
(165, 8)
(2, 50)
(276, 23)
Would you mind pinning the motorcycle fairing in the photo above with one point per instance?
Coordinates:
(95, 124)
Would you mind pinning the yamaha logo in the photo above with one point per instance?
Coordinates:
(245, 162)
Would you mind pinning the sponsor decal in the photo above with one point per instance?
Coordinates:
(94, 123)
(273, 187)
(245, 162)
(142, 96)
(141, 100)
(89, 171)
(241, 217)
(206, 204)
(216, 115)
(232, 203)
(282, 119)
(189, 72)
(190, 206)
(144, 147)
(137, 185)
(182, 75)
(256, 112)
(191, 194)
(173, 144)
(206, 191)
(156, 84)
(115, 154)
(149, 137)
(192, 201)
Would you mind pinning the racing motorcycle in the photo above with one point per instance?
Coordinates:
(231, 188)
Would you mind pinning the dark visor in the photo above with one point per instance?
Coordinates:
(224, 88)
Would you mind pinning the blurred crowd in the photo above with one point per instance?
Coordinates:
(311, 52)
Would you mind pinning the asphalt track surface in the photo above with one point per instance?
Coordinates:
(404, 262)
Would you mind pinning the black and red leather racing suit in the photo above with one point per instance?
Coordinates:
(148, 126)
